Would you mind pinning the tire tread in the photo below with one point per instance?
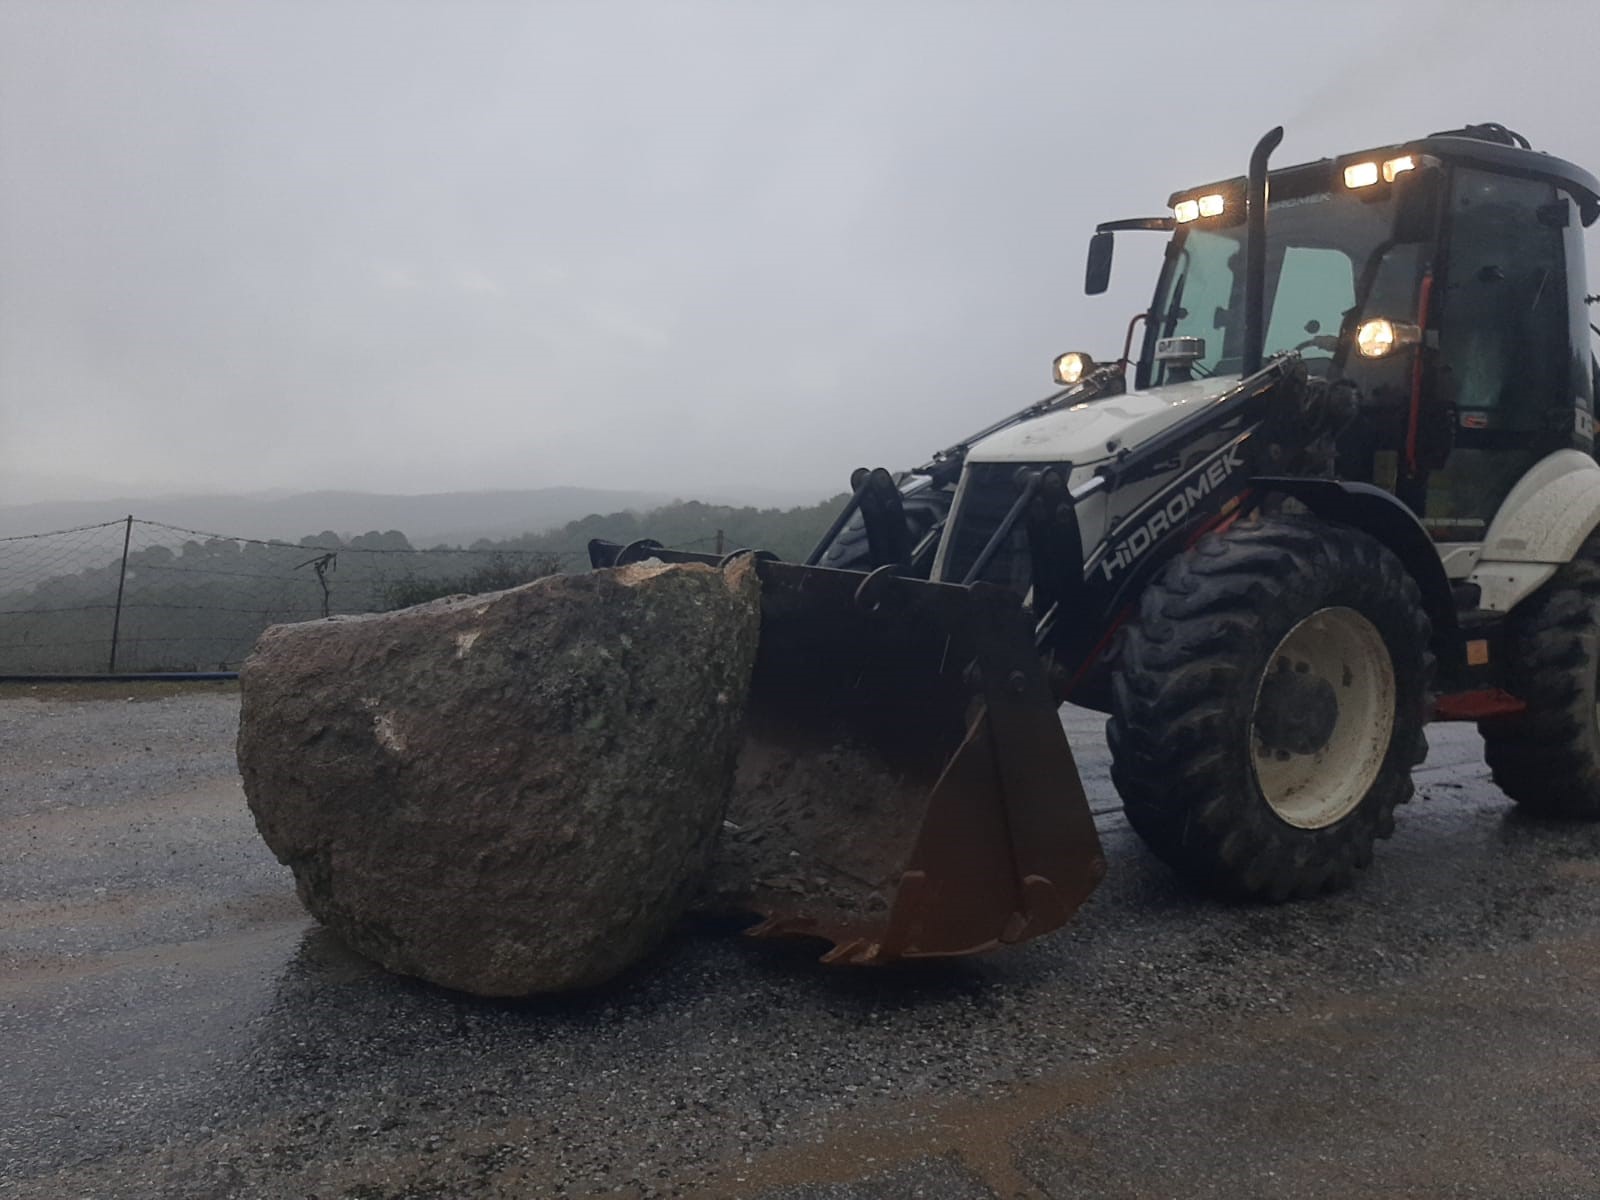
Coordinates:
(1547, 759)
(1182, 667)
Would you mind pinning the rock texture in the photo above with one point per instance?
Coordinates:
(507, 793)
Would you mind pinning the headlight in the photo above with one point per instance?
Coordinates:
(1380, 337)
(1193, 209)
(1375, 338)
(1359, 175)
(1395, 166)
(1071, 367)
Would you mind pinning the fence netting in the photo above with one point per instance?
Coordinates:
(75, 601)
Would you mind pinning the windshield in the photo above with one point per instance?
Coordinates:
(1323, 252)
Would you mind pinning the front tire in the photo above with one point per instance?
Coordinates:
(1268, 704)
(1547, 759)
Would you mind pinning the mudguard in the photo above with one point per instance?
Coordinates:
(1379, 514)
(1539, 527)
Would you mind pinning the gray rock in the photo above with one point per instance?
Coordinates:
(508, 793)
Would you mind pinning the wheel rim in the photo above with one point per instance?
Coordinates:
(1323, 717)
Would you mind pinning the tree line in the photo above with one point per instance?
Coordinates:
(200, 603)
(788, 532)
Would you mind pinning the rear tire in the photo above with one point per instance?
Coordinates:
(1268, 704)
(1547, 759)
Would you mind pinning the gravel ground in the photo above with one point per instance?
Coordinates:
(172, 1025)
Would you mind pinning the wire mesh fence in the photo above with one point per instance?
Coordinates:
(137, 597)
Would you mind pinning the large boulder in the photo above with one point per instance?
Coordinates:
(507, 793)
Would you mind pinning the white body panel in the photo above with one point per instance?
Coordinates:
(937, 571)
(1459, 558)
(1539, 527)
(1080, 434)
(1087, 435)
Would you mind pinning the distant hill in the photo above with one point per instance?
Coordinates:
(199, 603)
(445, 518)
(685, 524)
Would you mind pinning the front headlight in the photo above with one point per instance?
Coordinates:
(1071, 367)
(1381, 337)
(1360, 175)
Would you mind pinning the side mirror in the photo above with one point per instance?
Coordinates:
(1097, 275)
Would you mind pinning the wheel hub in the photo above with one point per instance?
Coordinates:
(1297, 711)
(1323, 717)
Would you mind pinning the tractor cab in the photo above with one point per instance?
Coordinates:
(1442, 278)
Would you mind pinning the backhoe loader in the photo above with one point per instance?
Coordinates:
(1350, 488)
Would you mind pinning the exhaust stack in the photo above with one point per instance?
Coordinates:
(1255, 252)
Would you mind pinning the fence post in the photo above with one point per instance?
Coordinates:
(122, 579)
(719, 543)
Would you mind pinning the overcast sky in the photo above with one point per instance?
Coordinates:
(411, 246)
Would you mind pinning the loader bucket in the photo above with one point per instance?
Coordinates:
(905, 788)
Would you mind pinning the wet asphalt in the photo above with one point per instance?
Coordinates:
(172, 1025)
